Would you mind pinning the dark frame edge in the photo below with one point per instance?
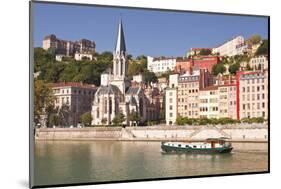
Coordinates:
(31, 101)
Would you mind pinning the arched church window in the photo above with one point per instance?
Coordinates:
(121, 66)
(105, 105)
(98, 112)
(110, 105)
(141, 107)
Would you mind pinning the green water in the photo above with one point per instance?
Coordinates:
(62, 162)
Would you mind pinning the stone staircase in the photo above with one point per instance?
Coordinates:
(127, 134)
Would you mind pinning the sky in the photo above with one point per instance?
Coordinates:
(147, 32)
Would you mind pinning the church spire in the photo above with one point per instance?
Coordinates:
(120, 43)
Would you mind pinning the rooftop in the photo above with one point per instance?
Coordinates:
(73, 84)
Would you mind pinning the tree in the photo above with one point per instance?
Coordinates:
(53, 120)
(118, 119)
(86, 119)
(149, 77)
(248, 67)
(218, 68)
(263, 49)
(41, 57)
(180, 120)
(204, 52)
(134, 68)
(103, 121)
(234, 68)
(134, 117)
(43, 99)
(255, 39)
(64, 115)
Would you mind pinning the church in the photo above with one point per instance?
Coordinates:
(116, 93)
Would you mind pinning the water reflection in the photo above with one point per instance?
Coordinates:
(59, 162)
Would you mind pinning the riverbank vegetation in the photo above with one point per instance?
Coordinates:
(216, 121)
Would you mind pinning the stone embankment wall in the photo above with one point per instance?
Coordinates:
(241, 132)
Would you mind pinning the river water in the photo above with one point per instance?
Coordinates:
(66, 162)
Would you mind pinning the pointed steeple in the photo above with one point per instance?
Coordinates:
(120, 43)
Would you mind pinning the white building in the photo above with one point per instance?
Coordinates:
(209, 102)
(161, 64)
(235, 46)
(171, 105)
(253, 95)
(76, 96)
(59, 57)
(171, 100)
(259, 62)
(81, 56)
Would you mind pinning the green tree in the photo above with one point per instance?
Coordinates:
(118, 119)
(234, 68)
(248, 67)
(263, 48)
(204, 52)
(41, 57)
(64, 115)
(180, 120)
(43, 99)
(255, 39)
(218, 68)
(53, 120)
(103, 121)
(134, 117)
(86, 119)
(149, 77)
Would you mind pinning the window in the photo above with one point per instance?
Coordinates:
(171, 100)
(105, 106)
(171, 107)
(171, 114)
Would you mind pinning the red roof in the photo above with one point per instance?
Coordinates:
(72, 84)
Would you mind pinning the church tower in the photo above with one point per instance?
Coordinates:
(120, 63)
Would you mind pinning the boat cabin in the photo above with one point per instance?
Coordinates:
(217, 141)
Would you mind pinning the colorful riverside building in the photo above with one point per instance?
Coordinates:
(197, 62)
(252, 94)
(242, 96)
(182, 95)
(77, 96)
(227, 91)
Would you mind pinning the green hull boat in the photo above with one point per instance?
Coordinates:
(210, 146)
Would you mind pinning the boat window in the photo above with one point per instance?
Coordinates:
(194, 146)
(186, 146)
(179, 145)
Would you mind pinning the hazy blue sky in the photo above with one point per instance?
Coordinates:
(148, 32)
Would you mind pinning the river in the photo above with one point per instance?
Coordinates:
(66, 162)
